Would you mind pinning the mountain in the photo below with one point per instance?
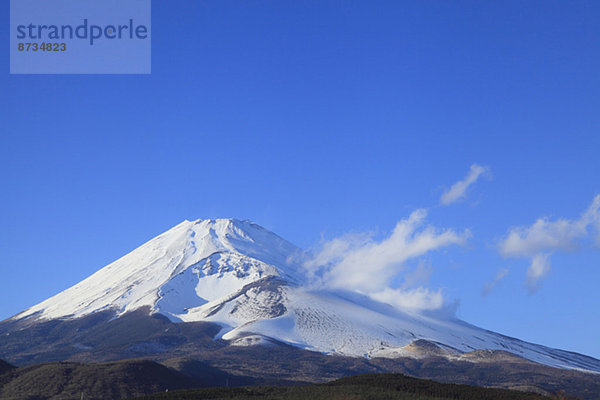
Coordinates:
(244, 278)
(230, 293)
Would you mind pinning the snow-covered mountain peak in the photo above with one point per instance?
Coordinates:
(190, 264)
(247, 238)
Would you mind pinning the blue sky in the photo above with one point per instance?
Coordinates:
(318, 119)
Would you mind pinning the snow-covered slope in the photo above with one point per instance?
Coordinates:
(243, 277)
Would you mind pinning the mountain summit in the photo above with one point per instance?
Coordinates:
(191, 264)
(244, 278)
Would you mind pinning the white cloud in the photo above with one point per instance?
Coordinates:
(459, 189)
(489, 286)
(357, 262)
(539, 268)
(544, 236)
(334, 250)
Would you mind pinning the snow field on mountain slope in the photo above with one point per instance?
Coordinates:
(214, 278)
(328, 323)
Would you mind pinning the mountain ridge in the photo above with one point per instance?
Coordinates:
(138, 334)
(247, 280)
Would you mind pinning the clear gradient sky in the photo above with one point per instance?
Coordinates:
(319, 118)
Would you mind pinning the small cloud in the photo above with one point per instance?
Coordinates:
(459, 190)
(542, 235)
(545, 236)
(489, 286)
(539, 268)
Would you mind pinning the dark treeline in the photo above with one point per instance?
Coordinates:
(368, 386)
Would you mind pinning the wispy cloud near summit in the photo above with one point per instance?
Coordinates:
(357, 262)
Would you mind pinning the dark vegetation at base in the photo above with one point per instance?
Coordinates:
(97, 381)
(520, 375)
(115, 380)
(369, 386)
(428, 387)
(190, 348)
